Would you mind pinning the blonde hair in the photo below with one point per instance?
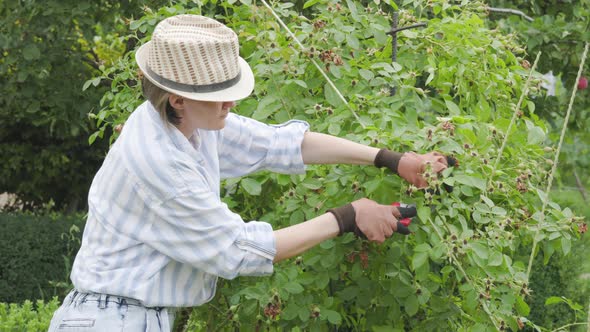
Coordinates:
(160, 100)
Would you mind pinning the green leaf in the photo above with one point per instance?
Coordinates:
(334, 129)
(424, 213)
(480, 250)
(96, 81)
(293, 287)
(253, 293)
(566, 245)
(331, 96)
(536, 135)
(471, 181)
(419, 259)
(86, 85)
(300, 83)
(251, 186)
(310, 3)
(372, 185)
(135, 24)
(353, 10)
(303, 314)
(554, 300)
(411, 305)
(290, 312)
(496, 259)
(352, 41)
(266, 107)
(366, 74)
(31, 52)
(453, 108)
(92, 137)
(328, 244)
(522, 307)
(332, 316)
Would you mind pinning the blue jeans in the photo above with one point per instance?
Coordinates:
(91, 312)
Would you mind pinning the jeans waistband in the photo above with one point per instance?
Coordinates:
(103, 300)
(156, 317)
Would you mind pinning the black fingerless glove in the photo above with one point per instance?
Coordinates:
(389, 159)
(346, 218)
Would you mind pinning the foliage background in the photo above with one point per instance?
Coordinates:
(408, 283)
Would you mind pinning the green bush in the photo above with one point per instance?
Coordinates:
(457, 84)
(37, 255)
(27, 317)
(48, 49)
(563, 275)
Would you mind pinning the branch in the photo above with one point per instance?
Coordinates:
(92, 63)
(580, 186)
(568, 325)
(393, 31)
(510, 11)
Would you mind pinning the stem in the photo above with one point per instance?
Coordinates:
(396, 30)
(568, 325)
(460, 267)
(556, 158)
(314, 63)
(516, 110)
(393, 32)
(580, 186)
(510, 11)
(272, 77)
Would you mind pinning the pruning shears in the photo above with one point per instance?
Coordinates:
(407, 214)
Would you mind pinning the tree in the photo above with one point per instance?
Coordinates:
(49, 49)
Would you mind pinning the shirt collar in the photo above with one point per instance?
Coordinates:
(176, 136)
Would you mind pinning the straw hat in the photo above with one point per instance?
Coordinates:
(196, 57)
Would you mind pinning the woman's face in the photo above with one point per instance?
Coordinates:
(196, 114)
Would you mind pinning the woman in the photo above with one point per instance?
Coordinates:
(158, 235)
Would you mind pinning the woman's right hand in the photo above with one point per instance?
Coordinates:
(377, 222)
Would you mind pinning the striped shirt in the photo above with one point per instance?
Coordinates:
(157, 230)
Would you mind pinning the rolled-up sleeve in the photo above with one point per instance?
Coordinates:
(196, 228)
(246, 145)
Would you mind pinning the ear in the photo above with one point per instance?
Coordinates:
(177, 102)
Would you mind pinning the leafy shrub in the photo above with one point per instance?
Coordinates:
(48, 49)
(37, 254)
(27, 317)
(457, 83)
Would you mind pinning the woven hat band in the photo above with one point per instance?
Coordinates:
(205, 88)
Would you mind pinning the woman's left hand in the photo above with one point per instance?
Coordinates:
(412, 167)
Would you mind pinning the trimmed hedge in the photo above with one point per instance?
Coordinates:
(37, 255)
(27, 317)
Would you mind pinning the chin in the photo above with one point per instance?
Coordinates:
(217, 126)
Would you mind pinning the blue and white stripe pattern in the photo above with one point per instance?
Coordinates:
(157, 230)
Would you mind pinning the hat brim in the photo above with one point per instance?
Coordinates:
(242, 89)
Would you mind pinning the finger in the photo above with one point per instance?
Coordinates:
(379, 239)
(441, 159)
(439, 167)
(395, 212)
(421, 183)
(387, 230)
